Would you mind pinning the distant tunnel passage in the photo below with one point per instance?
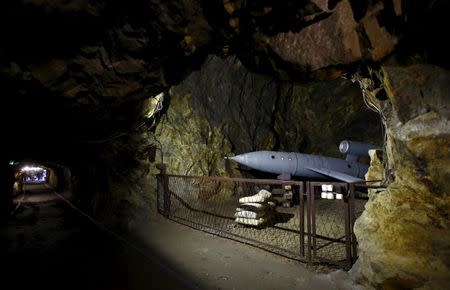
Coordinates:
(36, 181)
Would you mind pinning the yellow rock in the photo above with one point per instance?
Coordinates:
(404, 233)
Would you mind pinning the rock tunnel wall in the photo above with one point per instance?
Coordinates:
(404, 233)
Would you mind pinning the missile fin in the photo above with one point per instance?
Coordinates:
(338, 175)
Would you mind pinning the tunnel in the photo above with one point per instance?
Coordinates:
(35, 182)
(116, 118)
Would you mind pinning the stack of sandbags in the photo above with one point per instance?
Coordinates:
(255, 210)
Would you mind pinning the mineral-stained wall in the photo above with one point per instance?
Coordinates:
(404, 233)
(217, 110)
(314, 117)
(341, 39)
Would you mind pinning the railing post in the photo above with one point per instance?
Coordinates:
(163, 187)
(302, 218)
(352, 222)
(348, 238)
(308, 218)
(313, 221)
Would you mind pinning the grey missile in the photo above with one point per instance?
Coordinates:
(287, 164)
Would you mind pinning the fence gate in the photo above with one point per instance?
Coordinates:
(308, 228)
(332, 208)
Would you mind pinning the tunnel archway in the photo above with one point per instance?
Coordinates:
(37, 181)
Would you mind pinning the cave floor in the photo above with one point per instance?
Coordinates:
(214, 262)
(48, 245)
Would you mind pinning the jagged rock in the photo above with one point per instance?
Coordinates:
(220, 107)
(191, 144)
(381, 42)
(375, 171)
(328, 42)
(131, 40)
(404, 233)
(131, 66)
(49, 73)
(336, 39)
(322, 4)
(315, 117)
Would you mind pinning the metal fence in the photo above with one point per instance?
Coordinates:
(300, 220)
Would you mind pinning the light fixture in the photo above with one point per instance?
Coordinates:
(31, 169)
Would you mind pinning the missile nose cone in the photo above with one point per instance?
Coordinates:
(239, 159)
(230, 158)
(236, 158)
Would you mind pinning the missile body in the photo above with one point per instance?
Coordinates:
(299, 164)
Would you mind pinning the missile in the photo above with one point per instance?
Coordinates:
(288, 164)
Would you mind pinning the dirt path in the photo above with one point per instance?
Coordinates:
(49, 246)
(216, 263)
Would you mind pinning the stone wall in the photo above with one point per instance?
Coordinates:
(216, 111)
(404, 233)
(314, 117)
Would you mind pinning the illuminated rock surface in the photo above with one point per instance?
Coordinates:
(375, 174)
(404, 234)
(338, 39)
(315, 117)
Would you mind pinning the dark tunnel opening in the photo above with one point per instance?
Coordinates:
(37, 182)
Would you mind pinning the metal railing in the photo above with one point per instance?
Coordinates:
(307, 228)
